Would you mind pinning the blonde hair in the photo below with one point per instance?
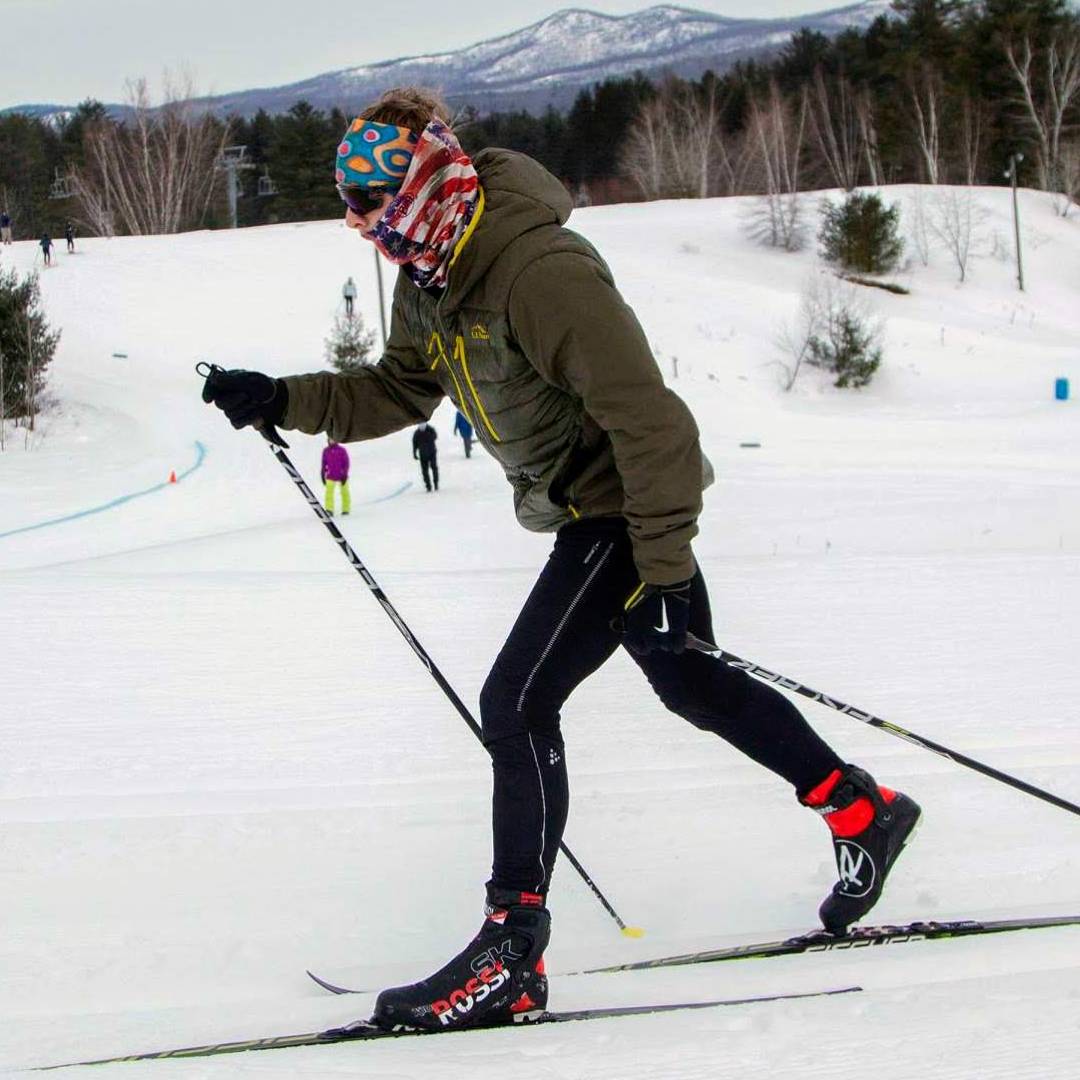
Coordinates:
(411, 107)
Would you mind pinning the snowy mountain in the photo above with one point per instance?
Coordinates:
(549, 61)
(222, 764)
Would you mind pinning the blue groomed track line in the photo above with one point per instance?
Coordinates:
(200, 455)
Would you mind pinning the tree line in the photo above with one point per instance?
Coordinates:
(937, 91)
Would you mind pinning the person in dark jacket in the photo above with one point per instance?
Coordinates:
(5, 227)
(423, 448)
(45, 243)
(463, 428)
(69, 236)
(518, 321)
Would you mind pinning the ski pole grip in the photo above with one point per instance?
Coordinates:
(266, 430)
(270, 433)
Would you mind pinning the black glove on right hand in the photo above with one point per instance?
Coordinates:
(247, 397)
(657, 617)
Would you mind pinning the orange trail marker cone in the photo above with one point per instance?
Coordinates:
(172, 477)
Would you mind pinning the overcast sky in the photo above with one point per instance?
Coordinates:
(62, 51)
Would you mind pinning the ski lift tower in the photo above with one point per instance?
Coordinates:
(231, 162)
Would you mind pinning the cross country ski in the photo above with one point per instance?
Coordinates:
(818, 941)
(366, 1031)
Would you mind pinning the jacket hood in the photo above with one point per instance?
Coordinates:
(519, 195)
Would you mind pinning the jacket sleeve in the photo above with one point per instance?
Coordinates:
(581, 336)
(398, 391)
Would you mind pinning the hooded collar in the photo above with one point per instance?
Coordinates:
(519, 195)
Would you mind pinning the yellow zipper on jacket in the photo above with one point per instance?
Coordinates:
(465, 237)
(459, 355)
(434, 343)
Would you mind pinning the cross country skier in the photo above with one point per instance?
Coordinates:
(517, 320)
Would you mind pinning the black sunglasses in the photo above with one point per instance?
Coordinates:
(361, 200)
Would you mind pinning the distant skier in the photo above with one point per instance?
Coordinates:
(463, 428)
(598, 450)
(348, 290)
(69, 236)
(5, 228)
(335, 475)
(423, 447)
(45, 243)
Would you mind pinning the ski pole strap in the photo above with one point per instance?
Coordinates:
(796, 687)
(265, 429)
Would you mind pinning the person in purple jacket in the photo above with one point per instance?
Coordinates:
(335, 474)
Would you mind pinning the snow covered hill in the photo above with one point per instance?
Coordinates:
(222, 765)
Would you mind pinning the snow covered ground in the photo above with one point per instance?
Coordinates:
(222, 765)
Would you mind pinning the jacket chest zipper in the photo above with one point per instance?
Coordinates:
(436, 348)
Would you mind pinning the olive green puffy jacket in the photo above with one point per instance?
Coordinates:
(533, 343)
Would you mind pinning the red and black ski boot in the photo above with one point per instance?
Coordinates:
(870, 826)
(498, 978)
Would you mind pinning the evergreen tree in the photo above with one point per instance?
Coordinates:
(26, 342)
(348, 348)
(598, 123)
(257, 134)
(800, 58)
(848, 348)
(303, 164)
(861, 234)
(27, 159)
(929, 26)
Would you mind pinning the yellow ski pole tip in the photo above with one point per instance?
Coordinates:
(633, 931)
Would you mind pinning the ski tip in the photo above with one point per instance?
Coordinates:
(633, 931)
(329, 985)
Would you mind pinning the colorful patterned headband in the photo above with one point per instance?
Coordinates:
(374, 155)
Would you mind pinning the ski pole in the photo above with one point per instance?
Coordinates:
(875, 721)
(425, 659)
(276, 443)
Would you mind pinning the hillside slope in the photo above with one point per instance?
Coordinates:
(222, 764)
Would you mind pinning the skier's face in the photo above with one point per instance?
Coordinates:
(364, 223)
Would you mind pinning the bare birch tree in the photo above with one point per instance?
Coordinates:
(776, 134)
(699, 118)
(957, 222)
(31, 383)
(835, 128)
(1070, 175)
(864, 111)
(926, 93)
(972, 114)
(1046, 108)
(153, 172)
(677, 148)
(648, 148)
(919, 225)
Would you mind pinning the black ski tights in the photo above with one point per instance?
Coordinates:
(563, 635)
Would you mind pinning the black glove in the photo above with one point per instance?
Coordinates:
(247, 397)
(657, 617)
